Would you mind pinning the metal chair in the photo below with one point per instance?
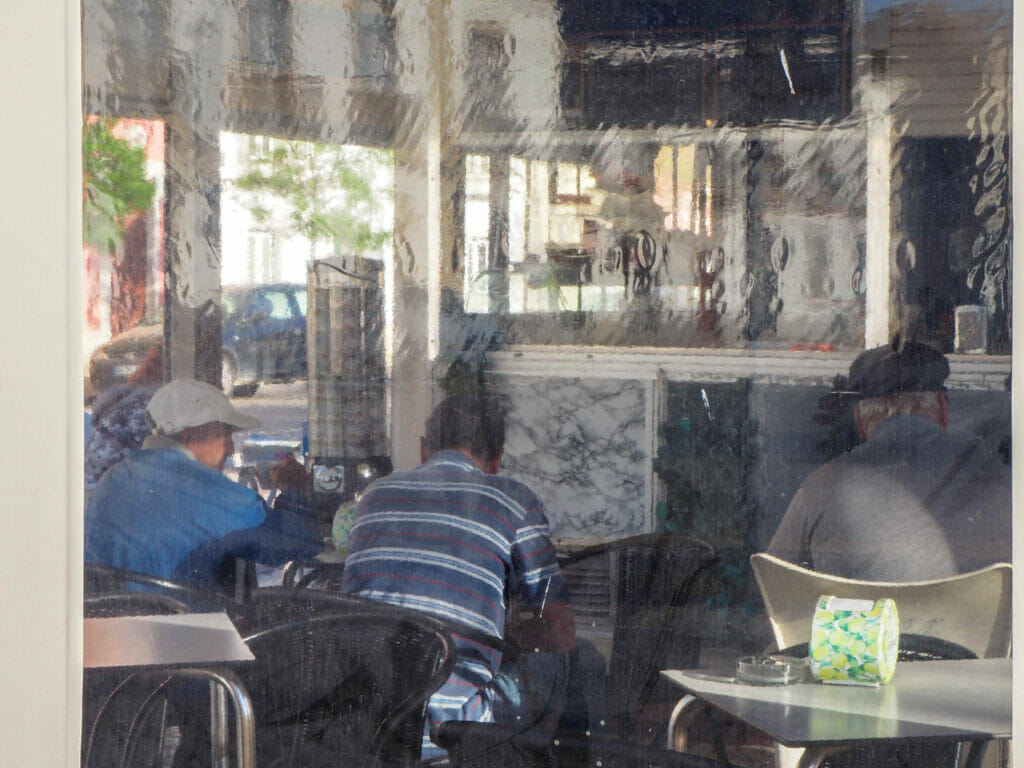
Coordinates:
(98, 687)
(657, 577)
(105, 579)
(346, 688)
(111, 604)
(499, 745)
(266, 607)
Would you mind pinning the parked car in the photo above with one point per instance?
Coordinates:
(263, 338)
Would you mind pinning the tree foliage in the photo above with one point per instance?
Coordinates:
(329, 191)
(114, 184)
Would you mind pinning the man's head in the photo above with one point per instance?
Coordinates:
(899, 379)
(198, 416)
(473, 424)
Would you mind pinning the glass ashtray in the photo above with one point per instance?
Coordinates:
(773, 669)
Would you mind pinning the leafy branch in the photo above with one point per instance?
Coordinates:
(114, 184)
(326, 191)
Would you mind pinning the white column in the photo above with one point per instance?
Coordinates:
(878, 323)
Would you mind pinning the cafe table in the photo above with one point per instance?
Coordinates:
(947, 701)
(197, 645)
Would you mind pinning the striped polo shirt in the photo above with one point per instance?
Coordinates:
(454, 542)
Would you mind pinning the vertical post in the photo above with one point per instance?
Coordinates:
(878, 305)
(192, 308)
(426, 170)
(497, 258)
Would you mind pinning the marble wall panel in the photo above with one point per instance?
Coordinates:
(583, 446)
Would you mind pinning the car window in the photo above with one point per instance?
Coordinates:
(230, 302)
(280, 308)
(300, 299)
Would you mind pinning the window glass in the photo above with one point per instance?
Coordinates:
(661, 234)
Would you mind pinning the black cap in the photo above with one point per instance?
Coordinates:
(896, 368)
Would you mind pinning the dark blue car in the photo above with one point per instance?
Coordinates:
(263, 336)
(263, 339)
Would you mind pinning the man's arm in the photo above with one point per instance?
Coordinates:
(282, 536)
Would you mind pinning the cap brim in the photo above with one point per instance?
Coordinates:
(240, 421)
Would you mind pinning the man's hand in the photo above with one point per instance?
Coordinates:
(549, 629)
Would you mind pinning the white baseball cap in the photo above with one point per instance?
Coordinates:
(184, 403)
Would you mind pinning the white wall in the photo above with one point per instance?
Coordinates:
(40, 383)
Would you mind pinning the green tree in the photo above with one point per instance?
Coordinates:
(329, 191)
(114, 184)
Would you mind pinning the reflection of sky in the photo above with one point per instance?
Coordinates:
(874, 6)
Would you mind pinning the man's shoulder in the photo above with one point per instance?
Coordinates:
(171, 467)
(453, 477)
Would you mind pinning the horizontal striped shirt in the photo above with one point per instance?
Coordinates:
(449, 540)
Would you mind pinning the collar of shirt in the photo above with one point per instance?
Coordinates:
(452, 458)
(901, 427)
(154, 442)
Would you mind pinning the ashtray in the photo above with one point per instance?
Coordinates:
(773, 669)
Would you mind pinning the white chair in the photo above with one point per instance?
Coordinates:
(970, 609)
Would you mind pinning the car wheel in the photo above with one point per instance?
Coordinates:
(228, 374)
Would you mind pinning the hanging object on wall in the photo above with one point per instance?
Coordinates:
(710, 287)
(635, 255)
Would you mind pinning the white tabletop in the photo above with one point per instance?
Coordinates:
(941, 700)
(189, 639)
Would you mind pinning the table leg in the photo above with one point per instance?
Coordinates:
(229, 685)
(218, 726)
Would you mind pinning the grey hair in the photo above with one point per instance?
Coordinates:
(874, 410)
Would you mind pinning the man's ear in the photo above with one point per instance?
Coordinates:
(859, 421)
(943, 411)
(493, 466)
(424, 450)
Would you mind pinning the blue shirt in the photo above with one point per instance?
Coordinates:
(163, 513)
(449, 540)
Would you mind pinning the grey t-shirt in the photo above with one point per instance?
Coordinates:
(911, 503)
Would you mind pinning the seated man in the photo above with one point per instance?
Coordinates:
(453, 539)
(916, 500)
(168, 510)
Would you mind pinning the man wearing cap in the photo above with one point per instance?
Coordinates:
(168, 510)
(915, 500)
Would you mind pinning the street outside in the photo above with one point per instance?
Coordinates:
(281, 409)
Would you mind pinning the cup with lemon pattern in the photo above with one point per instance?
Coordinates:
(854, 641)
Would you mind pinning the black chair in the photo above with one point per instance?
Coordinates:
(268, 607)
(110, 604)
(658, 578)
(346, 688)
(104, 579)
(128, 724)
(320, 575)
(499, 745)
(98, 686)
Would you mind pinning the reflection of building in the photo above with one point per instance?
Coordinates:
(125, 288)
(271, 248)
